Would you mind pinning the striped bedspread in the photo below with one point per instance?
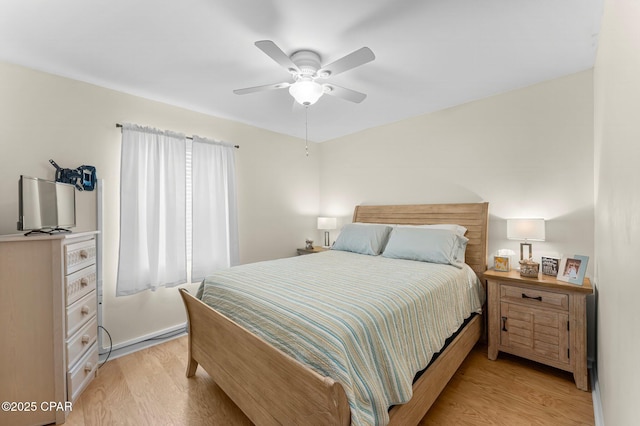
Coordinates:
(369, 322)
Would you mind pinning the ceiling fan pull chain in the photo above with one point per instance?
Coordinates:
(306, 130)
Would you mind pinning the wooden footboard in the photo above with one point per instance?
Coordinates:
(269, 386)
(272, 388)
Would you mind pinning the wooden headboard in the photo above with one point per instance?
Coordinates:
(473, 216)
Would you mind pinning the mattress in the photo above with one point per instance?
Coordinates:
(369, 322)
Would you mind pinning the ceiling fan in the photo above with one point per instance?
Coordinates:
(309, 75)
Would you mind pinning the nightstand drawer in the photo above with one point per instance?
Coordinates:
(534, 297)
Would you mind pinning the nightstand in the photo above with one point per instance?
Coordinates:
(311, 251)
(541, 319)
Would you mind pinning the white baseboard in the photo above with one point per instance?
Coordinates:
(143, 342)
(595, 394)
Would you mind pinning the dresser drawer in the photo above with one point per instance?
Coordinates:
(80, 283)
(79, 255)
(81, 312)
(534, 297)
(83, 372)
(81, 341)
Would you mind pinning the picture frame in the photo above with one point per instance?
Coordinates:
(573, 268)
(501, 263)
(550, 266)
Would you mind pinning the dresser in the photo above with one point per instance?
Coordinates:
(542, 319)
(48, 325)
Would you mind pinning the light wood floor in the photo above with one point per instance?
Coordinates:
(149, 387)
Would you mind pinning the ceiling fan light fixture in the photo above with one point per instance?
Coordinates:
(305, 67)
(306, 91)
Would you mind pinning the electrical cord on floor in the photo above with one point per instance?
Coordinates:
(161, 337)
(110, 346)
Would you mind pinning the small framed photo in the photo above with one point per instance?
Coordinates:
(573, 268)
(501, 263)
(550, 266)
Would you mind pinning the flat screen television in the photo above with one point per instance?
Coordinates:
(45, 206)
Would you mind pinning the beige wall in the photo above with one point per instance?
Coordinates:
(529, 153)
(45, 116)
(617, 226)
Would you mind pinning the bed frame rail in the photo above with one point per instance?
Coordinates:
(429, 386)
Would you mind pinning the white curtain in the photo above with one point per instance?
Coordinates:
(152, 210)
(214, 213)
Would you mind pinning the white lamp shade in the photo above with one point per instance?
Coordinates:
(306, 92)
(327, 223)
(525, 229)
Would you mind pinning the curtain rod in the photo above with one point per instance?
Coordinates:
(188, 137)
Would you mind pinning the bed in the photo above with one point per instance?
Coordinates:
(272, 387)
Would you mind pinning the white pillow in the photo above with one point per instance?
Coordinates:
(426, 245)
(362, 238)
(458, 229)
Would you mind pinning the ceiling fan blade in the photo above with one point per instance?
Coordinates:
(275, 53)
(352, 60)
(344, 93)
(261, 88)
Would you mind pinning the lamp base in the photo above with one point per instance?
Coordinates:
(522, 245)
(327, 243)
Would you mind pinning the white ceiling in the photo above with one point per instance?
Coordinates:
(430, 54)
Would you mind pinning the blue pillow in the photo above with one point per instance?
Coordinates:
(362, 238)
(426, 245)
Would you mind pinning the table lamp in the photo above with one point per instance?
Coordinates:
(326, 223)
(527, 230)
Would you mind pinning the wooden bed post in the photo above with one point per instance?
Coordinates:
(192, 364)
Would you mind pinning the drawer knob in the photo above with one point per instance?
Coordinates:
(539, 298)
(85, 310)
(504, 324)
(84, 254)
(84, 281)
(88, 367)
(85, 339)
